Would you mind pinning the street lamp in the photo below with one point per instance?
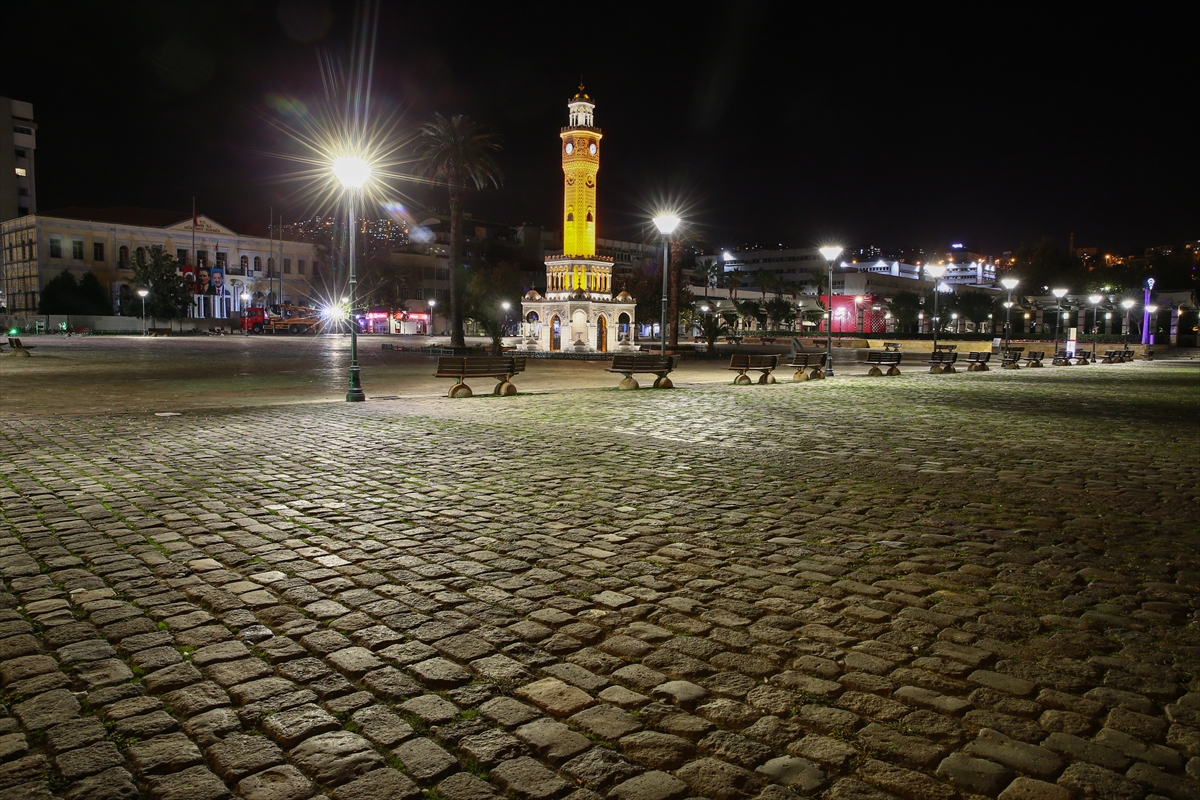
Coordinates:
(1009, 284)
(830, 254)
(1095, 301)
(858, 300)
(432, 304)
(954, 319)
(1151, 310)
(506, 306)
(666, 224)
(935, 271)
(1059, 294)
(142, 294)
(352, 172)
(1127, 305)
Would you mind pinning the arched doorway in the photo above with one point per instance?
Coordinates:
(623, 325)
(555, 333)
(601, 334)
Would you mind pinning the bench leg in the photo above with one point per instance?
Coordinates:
(505, 389)
(766, 378)
(460, 389)
(950, 369)
(818, 374)
(663, 382)
(1011, 365)
(628, 383)
(21, 351)
(893, 370)
(741, 380)
(936, 369)
(874, 372)
(800, 375)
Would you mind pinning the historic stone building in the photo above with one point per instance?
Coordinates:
(578, 312)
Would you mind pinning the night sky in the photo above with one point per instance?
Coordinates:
(896, 125)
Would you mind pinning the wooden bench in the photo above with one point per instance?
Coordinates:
(891, 347)
(629, 365)
(19, 349)
(942, 361)
(811, 361)
(1010, 358)
(502, 368)
(945, 348)
(1062, 359)
(743, 363)
(977, 361)
(1112, 357)
(1034, 358)
(884, 358)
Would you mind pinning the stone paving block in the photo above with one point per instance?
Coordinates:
(465, 786)
(382, 727)
(526, 779)
(718, 779)
(335, 758)
(163, 755)
(606, 722)
(382, 784)
(283, 782)
(1030, 789)
(1089, 780)
(903, 782)
(424, 760)
(556, 697)
(47, 709)
(552, 740)
(1025, 758)
(85, 761)
(974, 774)
(292, 726)
(194, 783)
(115, 783)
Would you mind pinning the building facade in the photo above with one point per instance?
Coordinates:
(18, 141)
(578, 311)
(228, 270)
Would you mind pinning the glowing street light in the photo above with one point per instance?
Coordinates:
(1127, 305)
(1151, 310)
(1009, 284)
(352, 172)
(666, 224)
(1059, 294)
(935, 271)
(830, 254)
(1095, 301)
(142, 294)
(432, 305)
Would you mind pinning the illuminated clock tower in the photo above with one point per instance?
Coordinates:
(578, 312)
(580, 163)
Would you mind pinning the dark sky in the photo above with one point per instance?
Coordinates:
(897, 124)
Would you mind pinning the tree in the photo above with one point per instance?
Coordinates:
(64, 295)
(752, 310)
(645, 284)
(905, 307)
(712, 327)
(780, 311)
(975, 306)
(452, 152)
(159, 272)
(1048, 263)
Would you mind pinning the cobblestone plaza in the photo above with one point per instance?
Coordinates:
(926, 587)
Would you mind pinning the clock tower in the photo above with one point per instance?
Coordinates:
(578, 312)
(580, 163)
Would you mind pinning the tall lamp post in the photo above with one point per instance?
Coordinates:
(506, 306)
(666, 224)
(1095, 301)
(1148, 334)
(1127, 305)
(830, 254)
(352, 172)
(142, 294)
(935, 271)
(1058, 294)
(432, 305)
(1009, 284)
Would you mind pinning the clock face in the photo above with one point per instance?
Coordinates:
(570, 148)
(592, 148)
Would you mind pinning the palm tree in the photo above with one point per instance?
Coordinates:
(452, 152)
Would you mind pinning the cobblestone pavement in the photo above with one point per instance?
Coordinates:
(927, 588)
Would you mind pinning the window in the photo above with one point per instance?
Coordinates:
(287, 266)
(244, 262)
(97, 251)
(55, 247)
(19, 153)
(21, 172)
(443, 274)
(141, 254)
(202, 258)
(222, 260)
(181, 255)
(300, 266)
(258, 263)
(22, 191)
(122, 256)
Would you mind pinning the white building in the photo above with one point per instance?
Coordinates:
(230, 270)
(18, 140)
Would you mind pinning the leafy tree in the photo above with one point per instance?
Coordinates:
(975, 306)
(645, 284)
(734, 281)
(752, 310)
(158, 271)
(780, 311)
(712, 327)
(64, 295)
(905, 307)
(452, 152)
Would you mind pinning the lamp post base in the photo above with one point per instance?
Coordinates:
(355, 393)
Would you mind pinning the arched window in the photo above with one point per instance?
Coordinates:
(570, 216)
(258, 263)
(123, 256)
(589, 217)
(245, 261)
(141, 254)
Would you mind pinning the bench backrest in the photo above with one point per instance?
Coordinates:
(979, 356)
(644, 363)
(746, 361)
(943, 355)
(808, 360)
(884, 357)
(14, 341)
(1036, 355)
(480, 365)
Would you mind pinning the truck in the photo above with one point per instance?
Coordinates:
(282, 319)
